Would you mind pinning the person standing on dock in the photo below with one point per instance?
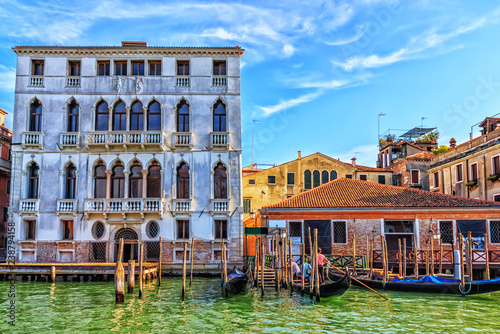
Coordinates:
(296, 269)
(321, 260)
(307, 270)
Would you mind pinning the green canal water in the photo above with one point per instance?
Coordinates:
(90, 308)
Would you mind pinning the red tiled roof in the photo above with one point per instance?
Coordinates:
(421, 155)
(348, 193)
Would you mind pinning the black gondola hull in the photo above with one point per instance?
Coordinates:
(336, 288)
(238, 282)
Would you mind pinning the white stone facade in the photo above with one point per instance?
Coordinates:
(48, 144)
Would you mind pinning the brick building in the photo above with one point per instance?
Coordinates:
(344, 208)
(5, 142)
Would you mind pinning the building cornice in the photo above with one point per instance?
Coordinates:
(129, 50)
(264, 211)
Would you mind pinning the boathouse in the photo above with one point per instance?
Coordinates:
(346, 209)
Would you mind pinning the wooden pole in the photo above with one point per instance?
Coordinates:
(370, 256)
(274, 243)
(311, 259)
(400, 263)
(290, 270)
(415, 270)
(192, 262)
(354, 253)
(120, 277)
(367, 252)
(303, 267)
(184, 271)
(53, 273)
(404, 258)
(384, 264)
(316, 278)
(440, 256)
(262, 260)
(283, 264)
(225, 268)
(131, 276)
(432, 254)
(285, 260)
(386, 260)
(141, 269)
(487, 256)
(256, 261)
(427, 258)
(471, 259)
(462, 267)
(160, 260)
(363, 284)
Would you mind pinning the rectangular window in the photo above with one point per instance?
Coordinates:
(251, 181)
(397, 180)
(290, 178)
(37, 67)
(183, 229)
(348, 176)
(74, 68)
(381, 179)
(120, 68)
(138, 67)
(436, 180)
(154, 68)
(495, 165)
(30, 229)
(473, 172)
(220, 229)
(67, 230)
(362, 177)
(295, 229)
(183, 67)
(458, 173)
(496, 198)
(339, 233)
(5, 214)
(446, 230)
(415, 177)
(495, 232)
(8, 187)
(103, 68)
(247, 205)
(271, 179)
(219, 67)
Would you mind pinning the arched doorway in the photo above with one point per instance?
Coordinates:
(130, 244)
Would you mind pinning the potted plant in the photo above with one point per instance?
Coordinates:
(493, 177)
(471, 184)
(416, 185)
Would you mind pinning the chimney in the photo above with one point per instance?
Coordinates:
(299, 155)
(453, 142)
(353, 162)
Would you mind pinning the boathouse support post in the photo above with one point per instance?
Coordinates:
(302, 278)
(415, 250)
(440, 256)
(53, 273)
(404, 258)
(487, 256)
(432, 254)
(225, 269)
(274, 243)
(427, 271)
(290, 270)
(120, 277)
(184, 270)
(256, 262)
(141, 269)
(400, 263)
(471, 256)
(311, 260)
(262, 260)
(316, 278)
(384, 264)
(354, 253)
(461, 248)
(191, 255)
(131, 276)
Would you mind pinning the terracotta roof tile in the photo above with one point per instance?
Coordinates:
(421, 155)
(348, 193)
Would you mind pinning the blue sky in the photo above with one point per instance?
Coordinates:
(315, 74)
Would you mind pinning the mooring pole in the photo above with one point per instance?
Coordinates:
(184, 272)
(141, 269)
(120, 277)
(415, 270)
(160, 260)
(131, 276)
(400, 264)
(316, 278)
(487, 256)
(354, 253)
(53, 273)
(404, 258)
(262, 260)
(192, 262)
(311, 259)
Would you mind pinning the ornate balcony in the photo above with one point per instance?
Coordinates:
(29, 206)
(66, 206)
(219, 140)
(36, 81)
(219, 81)
(32, 139)
(124, 206)
(73, 82)
(69, 140)
(123, 140)
(183, 81)
(220, 206)
(182, 140)
(181, 206)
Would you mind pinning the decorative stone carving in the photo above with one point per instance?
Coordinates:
(139, 85)
(117, 84)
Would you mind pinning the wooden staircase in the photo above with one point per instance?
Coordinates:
(269, 277)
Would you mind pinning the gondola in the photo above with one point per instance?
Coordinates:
(433, 284)
(237, 282)
(327, 289)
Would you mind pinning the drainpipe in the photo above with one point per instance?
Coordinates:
(467, 176)
(299, 168)
(485, 185)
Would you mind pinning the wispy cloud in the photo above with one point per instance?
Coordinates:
(361, 31)
(416, 48)
(291, 103)
(7, 78)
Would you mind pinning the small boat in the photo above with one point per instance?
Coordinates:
(434, 284)
(237, 282)
(327, 289)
